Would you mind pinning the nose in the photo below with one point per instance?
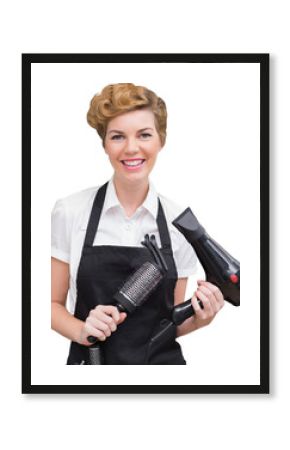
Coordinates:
(132, 147)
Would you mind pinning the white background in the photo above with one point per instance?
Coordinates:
(207, 420)
(212, 148)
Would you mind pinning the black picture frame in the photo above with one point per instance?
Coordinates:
(263, 60)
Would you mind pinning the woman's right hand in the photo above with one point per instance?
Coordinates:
(101, 322)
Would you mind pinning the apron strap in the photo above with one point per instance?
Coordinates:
(95, 215)
(163, 228)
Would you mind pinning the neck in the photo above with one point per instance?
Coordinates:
(131, 195)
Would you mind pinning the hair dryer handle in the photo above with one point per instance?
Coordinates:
(183, 311)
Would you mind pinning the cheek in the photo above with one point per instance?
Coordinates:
(152, 148)
(154, 152)
(152, 159)
(111, 151)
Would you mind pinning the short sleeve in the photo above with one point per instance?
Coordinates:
(186, 261)
(185, 258)
(60, 236)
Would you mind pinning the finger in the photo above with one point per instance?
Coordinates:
(123, 316)
(215, 290)
(99, 325)
(211, 297)
(196, 306)
(207, 307)
(92, 331)
(104, 327)
(108, 311)
(112, 311)
(103, 317)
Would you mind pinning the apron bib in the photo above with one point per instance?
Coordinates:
(103, 269)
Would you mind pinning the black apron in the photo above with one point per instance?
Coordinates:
(103, 269)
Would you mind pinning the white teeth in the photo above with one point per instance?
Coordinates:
(133, 163)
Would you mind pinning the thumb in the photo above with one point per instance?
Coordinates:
(123, 316)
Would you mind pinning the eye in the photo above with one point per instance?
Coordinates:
(117, 137)
(145, 135)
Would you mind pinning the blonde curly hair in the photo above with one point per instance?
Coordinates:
(116, 99)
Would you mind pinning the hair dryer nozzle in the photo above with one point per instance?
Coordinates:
(220, 267)
(188, 225)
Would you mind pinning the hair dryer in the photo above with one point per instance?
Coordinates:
(220, 267)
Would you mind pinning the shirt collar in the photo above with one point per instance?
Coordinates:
(150, 203)
(111, 199)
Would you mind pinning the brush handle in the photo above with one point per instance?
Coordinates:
(95, 355)
(93, 339)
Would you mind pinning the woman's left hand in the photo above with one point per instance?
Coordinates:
(212, 300)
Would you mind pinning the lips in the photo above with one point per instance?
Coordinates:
(133, 163)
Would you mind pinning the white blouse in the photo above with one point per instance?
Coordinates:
(70, 216)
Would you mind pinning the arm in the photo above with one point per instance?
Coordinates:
(101, 321)
(61, 320)
(179, 296)
(211, 298)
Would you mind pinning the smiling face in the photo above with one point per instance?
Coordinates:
(132, 144)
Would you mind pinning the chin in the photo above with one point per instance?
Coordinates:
(133, 177)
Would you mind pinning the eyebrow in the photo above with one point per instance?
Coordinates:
(120, 131)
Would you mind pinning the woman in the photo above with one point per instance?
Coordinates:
(97, 235)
